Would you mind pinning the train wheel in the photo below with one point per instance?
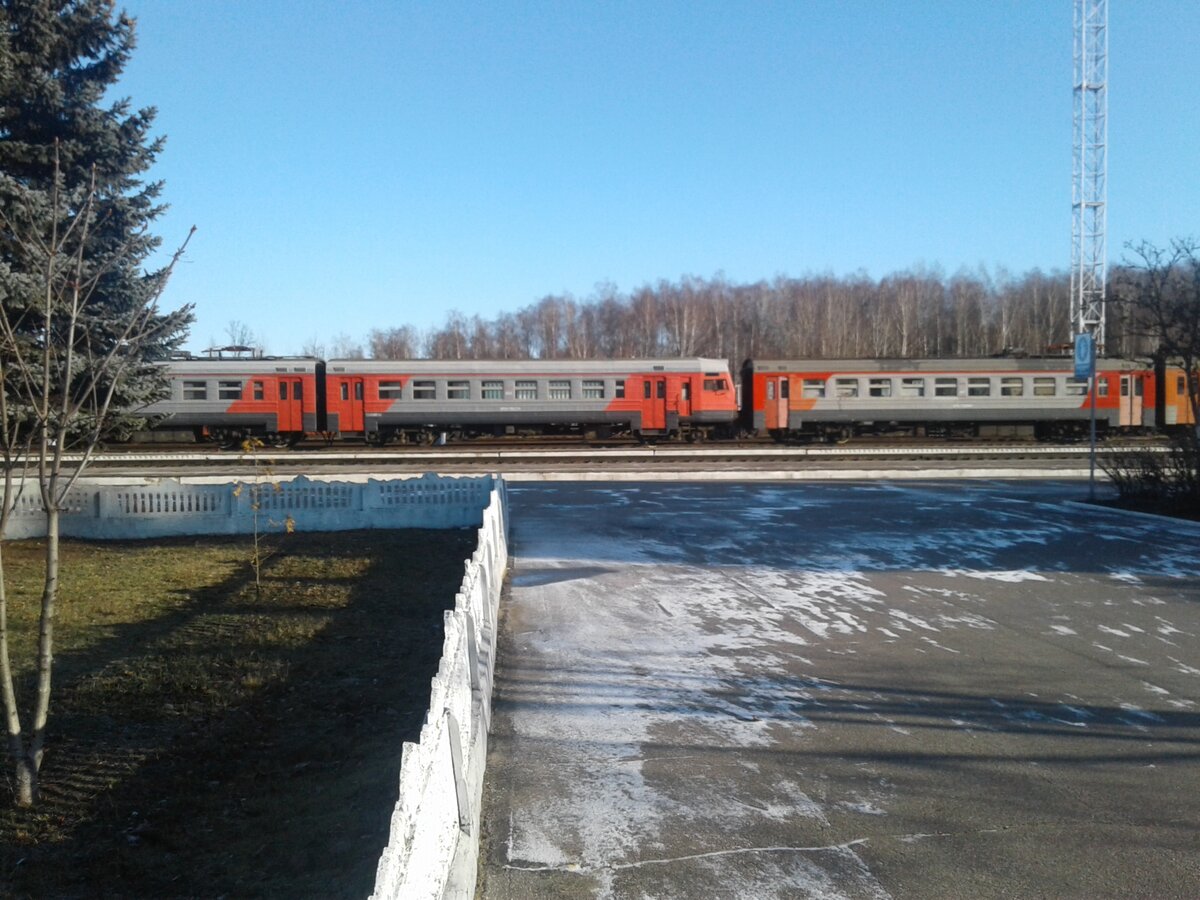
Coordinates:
(280, 440)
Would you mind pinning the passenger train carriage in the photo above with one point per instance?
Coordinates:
(417, 400)
(413, 400)
(225, 400)
(992, 397)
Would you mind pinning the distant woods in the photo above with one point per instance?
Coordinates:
(913, 314)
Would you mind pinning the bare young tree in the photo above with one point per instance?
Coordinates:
(68, 353)
(394, 343)
(242, 335)
(345, 347)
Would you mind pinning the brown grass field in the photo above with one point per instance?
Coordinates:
(206, 740)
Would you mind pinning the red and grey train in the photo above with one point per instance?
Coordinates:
(414, 401)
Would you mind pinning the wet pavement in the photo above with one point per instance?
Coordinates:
(911, 690)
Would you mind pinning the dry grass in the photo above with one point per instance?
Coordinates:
(206, 741)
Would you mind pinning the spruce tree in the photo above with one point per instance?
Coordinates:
(80, 328)
(58, 60)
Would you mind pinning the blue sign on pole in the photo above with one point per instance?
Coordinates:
(1085, 356)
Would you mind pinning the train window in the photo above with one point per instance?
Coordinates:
(560, 390)
(229, 390)
(393, 390)
(979, 387)
(593, 390)
(358, 390)
(422, 390)
(1077, 387)
(646, 389)
(785, 388)
(619, 393)
(526, 390)
(298, 390)
(661, 393)
(492, 390)
(258, 390)
(345, 391)
(846, 387)
(283, 390)
(1101, 387)
(1137, 387)
(685, 392)
(770, 390)
(1180, 384)
(813, 388)
(879, 387)
(912, 387)
(458, 390)
(945, 387)
(195, 390)
(1043, 386)
(1012, 387)
(716, 384)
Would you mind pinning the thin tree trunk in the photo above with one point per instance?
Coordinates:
(31, 764)
(25, 780)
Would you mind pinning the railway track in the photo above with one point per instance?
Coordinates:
(628, 459)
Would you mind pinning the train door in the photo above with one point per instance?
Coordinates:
(1132, 392)
(777, 402)
(290, 411)
(685, 399)
(351, 394)
(654, 404)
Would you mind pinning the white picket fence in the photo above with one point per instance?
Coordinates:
(433, 848)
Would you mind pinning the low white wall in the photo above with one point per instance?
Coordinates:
(170, 507)
(433, 848)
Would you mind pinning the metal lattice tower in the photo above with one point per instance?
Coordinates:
(1089, 192)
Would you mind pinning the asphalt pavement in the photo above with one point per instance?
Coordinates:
(851, 690)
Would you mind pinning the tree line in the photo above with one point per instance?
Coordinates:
(912, 314)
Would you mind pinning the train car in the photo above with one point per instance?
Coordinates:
(278, 400)
(419, 400)
(994, 397)
(1172, 404)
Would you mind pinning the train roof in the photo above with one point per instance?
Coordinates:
(258, 365)
(943, 364)
(529, 366)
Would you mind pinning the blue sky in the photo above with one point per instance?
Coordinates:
(355, 165)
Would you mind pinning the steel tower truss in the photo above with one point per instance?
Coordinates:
(1089, 193)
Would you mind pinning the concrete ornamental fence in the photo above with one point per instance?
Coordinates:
(433, 847)
(169, 507)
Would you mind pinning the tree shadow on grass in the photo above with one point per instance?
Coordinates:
(244, 745)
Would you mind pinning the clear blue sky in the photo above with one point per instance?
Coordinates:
(353, 164)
